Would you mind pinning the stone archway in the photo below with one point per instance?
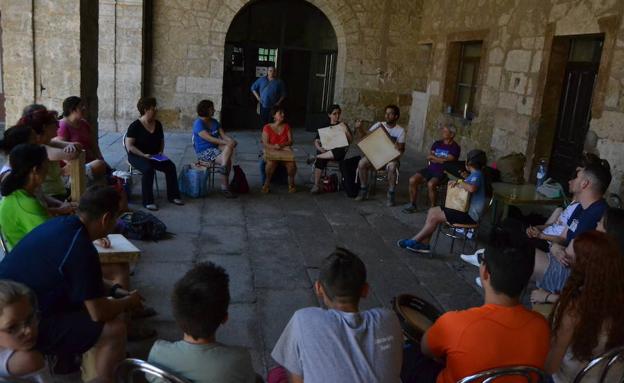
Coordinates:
(301, 40)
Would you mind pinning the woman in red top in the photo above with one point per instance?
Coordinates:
(277, 143)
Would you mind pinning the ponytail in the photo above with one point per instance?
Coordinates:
(23, 159)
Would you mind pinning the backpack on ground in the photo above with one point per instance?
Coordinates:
(239, 183)
(143, 226)
(348, 169)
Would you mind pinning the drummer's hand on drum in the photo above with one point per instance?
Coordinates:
(452, 184)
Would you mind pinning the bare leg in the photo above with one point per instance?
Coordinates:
(328, 155)
(118, 273)
(432, 185)
(541, 264)
(363, 167)
(291, 169)
(110, 349)
(269, 169)
(317, 176)
(391, 169)
(435, 216)
(414, 184)
(225, 159)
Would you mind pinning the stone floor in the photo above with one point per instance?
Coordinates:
(272, 245)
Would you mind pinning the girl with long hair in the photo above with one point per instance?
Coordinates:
(20, 210)
(587, 319)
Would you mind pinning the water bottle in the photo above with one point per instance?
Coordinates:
(541, 173)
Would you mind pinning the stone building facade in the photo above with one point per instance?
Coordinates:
(389, 51)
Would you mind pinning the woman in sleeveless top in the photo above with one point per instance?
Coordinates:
(277, 143)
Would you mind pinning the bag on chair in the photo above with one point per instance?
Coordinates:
(193, 181)
(239, 183)
(348, 169)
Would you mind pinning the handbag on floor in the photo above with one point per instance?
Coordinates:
(239, 183)
(193, 181)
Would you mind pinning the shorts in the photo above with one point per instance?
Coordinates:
(456, 217)
(555, 276)
(428, 175)
(209, 154)
(68, 333)
(338, 153)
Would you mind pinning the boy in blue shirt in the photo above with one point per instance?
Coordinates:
(475, 184)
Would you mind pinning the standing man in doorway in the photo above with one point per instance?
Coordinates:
(269, 91)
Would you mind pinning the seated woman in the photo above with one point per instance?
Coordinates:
(15, 135)
(20, 210)
(324, 156)
(587, 319)
(475, 184)
(75, 129)
(212, 144)
(277, 142)
(145, 142)
(19, 361)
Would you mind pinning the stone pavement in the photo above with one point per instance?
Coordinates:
(272, 246)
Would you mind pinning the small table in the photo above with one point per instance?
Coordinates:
(120, 251)
(518, 195)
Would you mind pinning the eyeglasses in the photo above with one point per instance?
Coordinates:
(18, 328)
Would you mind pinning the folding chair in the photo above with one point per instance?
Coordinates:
(128, 368)
(531, 374)
(607, 360)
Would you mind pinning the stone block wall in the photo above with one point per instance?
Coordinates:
(518, 37)
(378, 62)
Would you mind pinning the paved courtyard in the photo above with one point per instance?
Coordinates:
(272, 246)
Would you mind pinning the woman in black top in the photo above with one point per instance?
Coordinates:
(145, 143)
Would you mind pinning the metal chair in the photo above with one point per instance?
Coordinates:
(134, 171)
(607, 361)
(461, 231)
(531, 374)
(211, 167)
(128, 368)
(377, 175)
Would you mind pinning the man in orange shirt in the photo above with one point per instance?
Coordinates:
(500, 333)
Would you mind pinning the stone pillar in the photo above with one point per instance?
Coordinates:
(120, 68)
(17, 57)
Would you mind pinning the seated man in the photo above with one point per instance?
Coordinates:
(589, 185)
(200, 305)
(500, 333)
(397, 134)
(212, 144)
(18, 336)
(341, 344)
(59, 262)
(442, 151)
(475, 184)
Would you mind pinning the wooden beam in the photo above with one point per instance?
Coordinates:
(78, 177)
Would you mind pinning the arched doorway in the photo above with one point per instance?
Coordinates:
(300, 40)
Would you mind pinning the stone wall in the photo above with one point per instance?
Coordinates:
(518, 37)
(378, 62)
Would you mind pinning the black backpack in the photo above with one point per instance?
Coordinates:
(348, 169)
(143, 226)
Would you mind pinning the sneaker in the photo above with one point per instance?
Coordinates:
(390, 198)
(292, 189)
(151, 206)
(310, 160)
(315, 189)
(227, 193)
(413, 245)
(478, 282)
(473, 259)
(177, 201)
(265, 189)
(410, 209)
(362, 195)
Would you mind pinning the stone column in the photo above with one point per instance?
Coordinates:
(120, 68)
(17, 57)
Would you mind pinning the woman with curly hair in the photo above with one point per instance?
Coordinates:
(588, 317)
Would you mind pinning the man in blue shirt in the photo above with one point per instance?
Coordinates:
(269, 91)
(58, 261)
(589, 185)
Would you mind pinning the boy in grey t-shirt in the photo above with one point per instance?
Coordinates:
(200, 303)
(341, 344)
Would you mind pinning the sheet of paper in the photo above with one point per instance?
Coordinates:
(333, 136)
(378, 148)
(159, 157)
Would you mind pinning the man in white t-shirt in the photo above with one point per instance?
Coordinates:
(397, 135)
(341, 343)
